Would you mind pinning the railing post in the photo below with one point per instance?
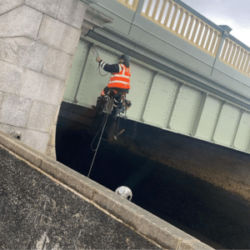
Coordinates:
(137, 12)
(140, 6)
(225, 33)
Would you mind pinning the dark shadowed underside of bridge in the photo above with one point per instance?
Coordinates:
(180, 179)
(185, 149)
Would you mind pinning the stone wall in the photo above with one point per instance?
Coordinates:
(37, 42)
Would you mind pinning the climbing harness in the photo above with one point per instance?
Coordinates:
(122, 105)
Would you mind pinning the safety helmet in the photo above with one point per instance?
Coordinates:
(124, 192)
(126, 59)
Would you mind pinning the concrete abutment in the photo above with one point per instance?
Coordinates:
(38, 40)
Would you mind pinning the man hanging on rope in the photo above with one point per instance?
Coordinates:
(118, 87)
(120, 74)
(119, 82)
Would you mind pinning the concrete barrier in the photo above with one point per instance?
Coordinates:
(128, 225)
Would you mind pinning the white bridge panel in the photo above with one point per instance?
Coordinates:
(209, 118)
(160, 101)
(242, 139)
(227, 125)
(141, 80)
(185, 110)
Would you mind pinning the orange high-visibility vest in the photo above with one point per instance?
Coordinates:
(120, 80)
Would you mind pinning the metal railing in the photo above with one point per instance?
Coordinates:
(178, 18)
(132, 4)
(235, 56)
(175, 18)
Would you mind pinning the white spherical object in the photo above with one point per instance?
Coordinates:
(124, 192)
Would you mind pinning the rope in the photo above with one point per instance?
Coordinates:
(118, 121)
(100, 71)
(96, 54)
(97, 135)
(104, 121)
(103, 127)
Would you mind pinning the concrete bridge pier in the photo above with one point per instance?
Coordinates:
(38, 40)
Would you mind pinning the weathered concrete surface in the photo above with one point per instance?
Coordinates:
(36, 50)
(71, 11)
(43, 88)
(15, 110)
(38, 40)
(37, 211)
(57, 64)
(52, 32)
(49, 7)
(10, 78)
(6, 5)
(41, 116)
(22, 21)
(23, 52)
(197, 186)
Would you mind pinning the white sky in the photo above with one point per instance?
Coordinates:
(235, 14)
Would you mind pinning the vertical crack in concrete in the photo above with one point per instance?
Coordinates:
(178, 244)
(40, 26)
